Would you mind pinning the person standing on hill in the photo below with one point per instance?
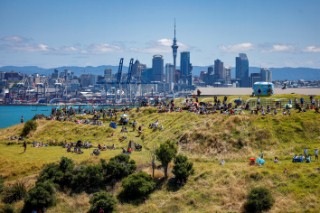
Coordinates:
(22, 119)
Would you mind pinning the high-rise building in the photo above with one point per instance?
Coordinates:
(108, 75)
(242, 69)
(186, 68)
(174, 51)
(137, 68)
(219, 69)
(157, 68)
(169, 73)
(266, 75)
(227, 72)
(254, 77)
(87, 80)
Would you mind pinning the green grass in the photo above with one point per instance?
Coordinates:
(205, 139)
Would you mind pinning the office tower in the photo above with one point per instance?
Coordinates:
(218, 69)
(186, 68)
(266, 75)
(137, 67)
(169, 73)
(108, 75)
(174, 51)
(242, 69)
(254, 77)
(227, 72)
(87, 80)
(157, 68)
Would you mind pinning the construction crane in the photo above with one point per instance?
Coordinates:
(119, 75)
(130, 71)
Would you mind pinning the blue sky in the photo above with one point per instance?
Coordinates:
(52, 33)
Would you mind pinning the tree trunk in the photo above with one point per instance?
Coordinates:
(165, 167)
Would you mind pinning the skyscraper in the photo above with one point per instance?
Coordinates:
(174, 50)
(186, 68)
(157, 68)
(219, 69)
(170, 75)
(266, 75)
(242, 70)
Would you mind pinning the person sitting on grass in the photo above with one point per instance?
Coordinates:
(308, 159)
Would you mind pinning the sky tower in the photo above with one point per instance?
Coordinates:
(174, 49)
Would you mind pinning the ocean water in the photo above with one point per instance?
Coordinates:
(11, 115)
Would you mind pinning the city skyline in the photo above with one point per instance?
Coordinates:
(92, 33)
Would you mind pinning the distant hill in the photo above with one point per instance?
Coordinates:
(285, 73)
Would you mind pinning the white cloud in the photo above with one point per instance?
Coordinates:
(14, 38)
(281, 48)
(312, 49)
(237, 47)
(103, 48)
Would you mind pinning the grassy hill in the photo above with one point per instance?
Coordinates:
(205, 139)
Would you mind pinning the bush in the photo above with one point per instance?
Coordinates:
(120, 166)
(165, 153)
(137, 186)
(40, 197)
(88, 178)
(8, 208)
(14, 192)
(102, 200)
(259, 200)
(28, 127)
(182, 168)
(59, 174)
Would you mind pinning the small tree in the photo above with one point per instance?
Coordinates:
(60, 174)
(120, 166)
(137, 185)
(182, 168)
(28, 127)
(258, 200)
(88, 178)
(40, 197)
(165, 153)
(102, 200)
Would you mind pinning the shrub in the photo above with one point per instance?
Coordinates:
(60, 174)
(120, 166)
(40, 197)
(28, 127)
(258, 200)
(14, 192)
(182, 168)
(165, 153)
(102, 200)
(8, 208)
(137, 186)
(88, 178)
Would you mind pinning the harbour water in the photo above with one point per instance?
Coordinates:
(11, 115)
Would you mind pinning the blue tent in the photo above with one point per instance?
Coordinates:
(260, 161)
(113, 125)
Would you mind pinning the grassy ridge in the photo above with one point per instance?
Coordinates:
(205, 139)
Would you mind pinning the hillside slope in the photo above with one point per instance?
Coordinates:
(205, 139)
